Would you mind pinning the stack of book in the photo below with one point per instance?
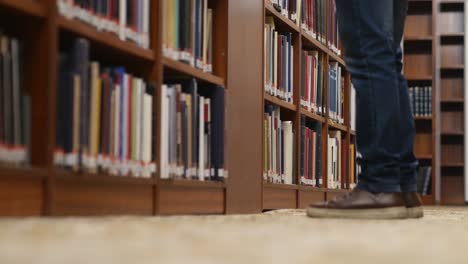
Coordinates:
(279, 61)
(337, 157)
(335, 93)
(353, 179)
(15, 104)
(278, 147)
(187, 32)
(311, 153)
(313, 18)
(312, 81)
(423, 180)
(421, 100)
(333, 36)
(104, 117)
(192, 132)
(128, 19)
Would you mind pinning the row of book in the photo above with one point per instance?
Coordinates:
(187, 32)
(421, 100)
(128, 19)
(352, 102)
(312, 93)
(424, 180)
(104, 117)
(311, 153)
(313, 18)
(192, 131)
(15, 104)
(278, 147)
(335, 93)
(288, 8)
(278, 62)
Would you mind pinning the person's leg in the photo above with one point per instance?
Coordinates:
(408, 162)
(367, 34)
(366, 28)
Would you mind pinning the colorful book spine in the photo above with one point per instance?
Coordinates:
(127, 19)
(420, 98)
(104, 121)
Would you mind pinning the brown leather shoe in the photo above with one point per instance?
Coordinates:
(361, 204)
(413, 204)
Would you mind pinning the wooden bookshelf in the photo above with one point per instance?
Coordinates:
(25, 7)
(276, 196)
(450, 187)
(187, 70)
(420, 70)
(108, 40)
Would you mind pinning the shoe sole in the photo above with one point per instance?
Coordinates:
(374, 213)
(415, 212)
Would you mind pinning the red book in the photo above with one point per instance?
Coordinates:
(312, 78)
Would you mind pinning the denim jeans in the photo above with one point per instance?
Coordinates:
(371, 32)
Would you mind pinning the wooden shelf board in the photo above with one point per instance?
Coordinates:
(337, 190)
(308, 39)
(105, 38)
(419, 78)
(8, 171)
(452, 133)
(311, 188)
(100, 177)
(418, 38)
(312, 115)
(279, 102)
(424, 157)
(452, 35)
(452, 100)
(452, 1)
(452, 67)
(33, 8)
(337, 126)
(191, 183)
(280, 186)
(185, 68)
(452, 164)
(423, 118)
(270, 10)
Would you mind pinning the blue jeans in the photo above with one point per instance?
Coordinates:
(371, 32)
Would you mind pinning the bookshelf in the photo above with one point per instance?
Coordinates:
(451, 101)
(420, 47)
(297, 195)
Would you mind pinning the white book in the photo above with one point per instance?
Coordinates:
(291, 78)
(288, 152)
(125, 125)
(147, 128)
(201, 139)
(275, 62)
(122, 19)
(329, 163)
(164, 148)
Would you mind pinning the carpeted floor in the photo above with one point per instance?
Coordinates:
(276, 237)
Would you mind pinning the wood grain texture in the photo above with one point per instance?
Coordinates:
(244, 110)
(77, 197)
(190, 200)
(279, 198)
(307, 197)
(452, 190)
(25, 7)
(21, 197)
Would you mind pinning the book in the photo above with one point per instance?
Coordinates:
(188, 32)
(333, 38)
(104, 121)
(287, 8)
(420, 100)
(335, 93)
(279, 150)
(15, 104)
(127, 19)
(279, 62)
(311, 81)
(312, 21)
(192, 131)
(310, 155)
(335, 160)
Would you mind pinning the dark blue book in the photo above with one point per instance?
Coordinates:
(318, 156)
(217, 133)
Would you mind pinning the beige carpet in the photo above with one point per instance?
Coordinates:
(274, 237)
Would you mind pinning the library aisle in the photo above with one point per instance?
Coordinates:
(283, 236)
